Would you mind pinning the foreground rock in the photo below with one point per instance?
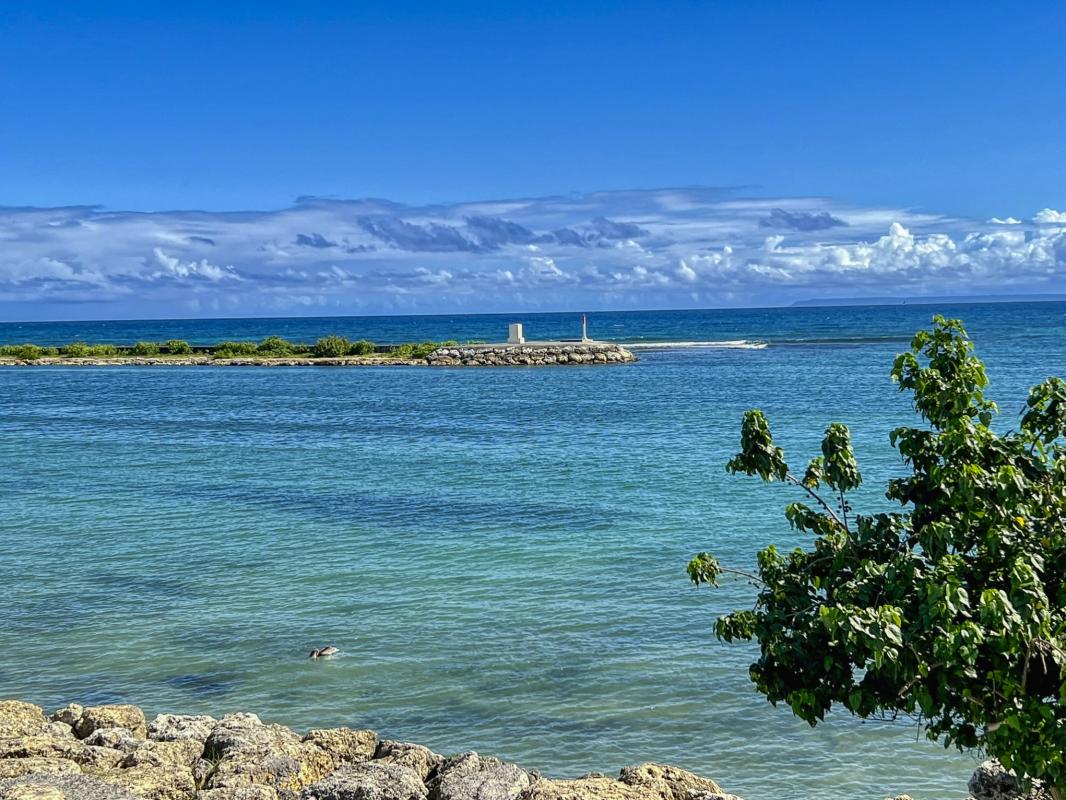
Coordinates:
(991, 781)
(112, 753)
(471, 777)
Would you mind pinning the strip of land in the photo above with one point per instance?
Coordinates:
(332, 351)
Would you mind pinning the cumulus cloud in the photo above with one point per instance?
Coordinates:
(174, 267)
(1049, 216)
(665, 248)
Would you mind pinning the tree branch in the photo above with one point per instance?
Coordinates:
(816, 497)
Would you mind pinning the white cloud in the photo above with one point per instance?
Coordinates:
(174, 267)
(1049, 216)
(623, 249)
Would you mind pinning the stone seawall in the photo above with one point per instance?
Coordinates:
(531, 354)
(113, 753)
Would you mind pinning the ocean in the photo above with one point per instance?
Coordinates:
(499, 554)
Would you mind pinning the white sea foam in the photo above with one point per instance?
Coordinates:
(732, 344)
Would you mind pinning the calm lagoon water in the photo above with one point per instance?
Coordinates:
(499, 553)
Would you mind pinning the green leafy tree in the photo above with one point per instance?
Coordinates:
(951, 610)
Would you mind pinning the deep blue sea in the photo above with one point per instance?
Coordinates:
(498, 553)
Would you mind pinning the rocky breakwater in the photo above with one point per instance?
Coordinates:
(531, 354)
(113, 753)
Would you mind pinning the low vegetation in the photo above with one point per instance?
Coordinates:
(86, 350)
(277, 347)
(331, 346)
(144, 349)
(361, 348)
(27, 352)
(235, 349)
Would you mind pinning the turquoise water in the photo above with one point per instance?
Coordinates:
(499, 553)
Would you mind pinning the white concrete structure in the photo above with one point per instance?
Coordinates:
(514, 334)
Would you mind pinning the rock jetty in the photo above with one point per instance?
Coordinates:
(530, 354)
(112, 752)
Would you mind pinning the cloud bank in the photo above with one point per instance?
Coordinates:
(693, 247)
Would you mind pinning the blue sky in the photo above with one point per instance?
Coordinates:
(932, 117)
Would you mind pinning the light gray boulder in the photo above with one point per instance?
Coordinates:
(470, 777)
(174, 727)
(370, 780)
(63, 786)
(421, 759)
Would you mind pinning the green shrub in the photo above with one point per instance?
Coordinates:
(235, 349)
(27, 352)
(86, 350)
(422, 350)
(332, 347)
(145, 349)
(275, 346)
(411, 351)
(361, 348)
(178, 347)
(75, 350)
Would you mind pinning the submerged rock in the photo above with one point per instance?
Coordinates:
(371, 780)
